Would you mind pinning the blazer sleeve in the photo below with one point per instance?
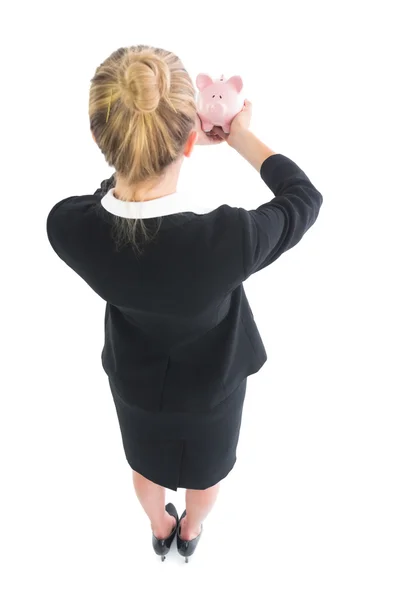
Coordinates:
(276, 226)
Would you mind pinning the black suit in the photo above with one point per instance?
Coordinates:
(180, 336)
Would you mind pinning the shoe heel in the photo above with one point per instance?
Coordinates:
(162, 547)
(186, 548)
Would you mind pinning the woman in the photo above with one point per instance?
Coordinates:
(180, 337)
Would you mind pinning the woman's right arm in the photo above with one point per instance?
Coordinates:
(276, 226)
(250, 147)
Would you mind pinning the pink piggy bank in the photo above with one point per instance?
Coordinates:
(219, 101)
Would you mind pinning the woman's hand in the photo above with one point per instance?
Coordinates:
(208, 139)
(240, 123)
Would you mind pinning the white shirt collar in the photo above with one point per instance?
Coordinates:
(165, 205)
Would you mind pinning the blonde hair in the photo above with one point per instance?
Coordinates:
(142, 108)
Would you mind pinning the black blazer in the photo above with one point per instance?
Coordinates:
(179, 332)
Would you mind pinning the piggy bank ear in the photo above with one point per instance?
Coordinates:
(236, 82)
(203, 80)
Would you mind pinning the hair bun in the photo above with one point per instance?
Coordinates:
(145, 79)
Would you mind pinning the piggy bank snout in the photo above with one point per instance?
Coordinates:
(216, 108)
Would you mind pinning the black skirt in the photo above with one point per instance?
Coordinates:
(181, 450)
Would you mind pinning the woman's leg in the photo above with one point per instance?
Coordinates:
(198, 505)
(152, 498)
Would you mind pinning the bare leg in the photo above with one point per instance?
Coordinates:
(198, 505)
(152, 498)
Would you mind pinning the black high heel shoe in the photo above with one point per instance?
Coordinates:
(185, 548)
(162, 547)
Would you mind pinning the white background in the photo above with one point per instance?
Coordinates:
(311, 509)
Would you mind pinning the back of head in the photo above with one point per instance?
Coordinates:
(142, 108)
